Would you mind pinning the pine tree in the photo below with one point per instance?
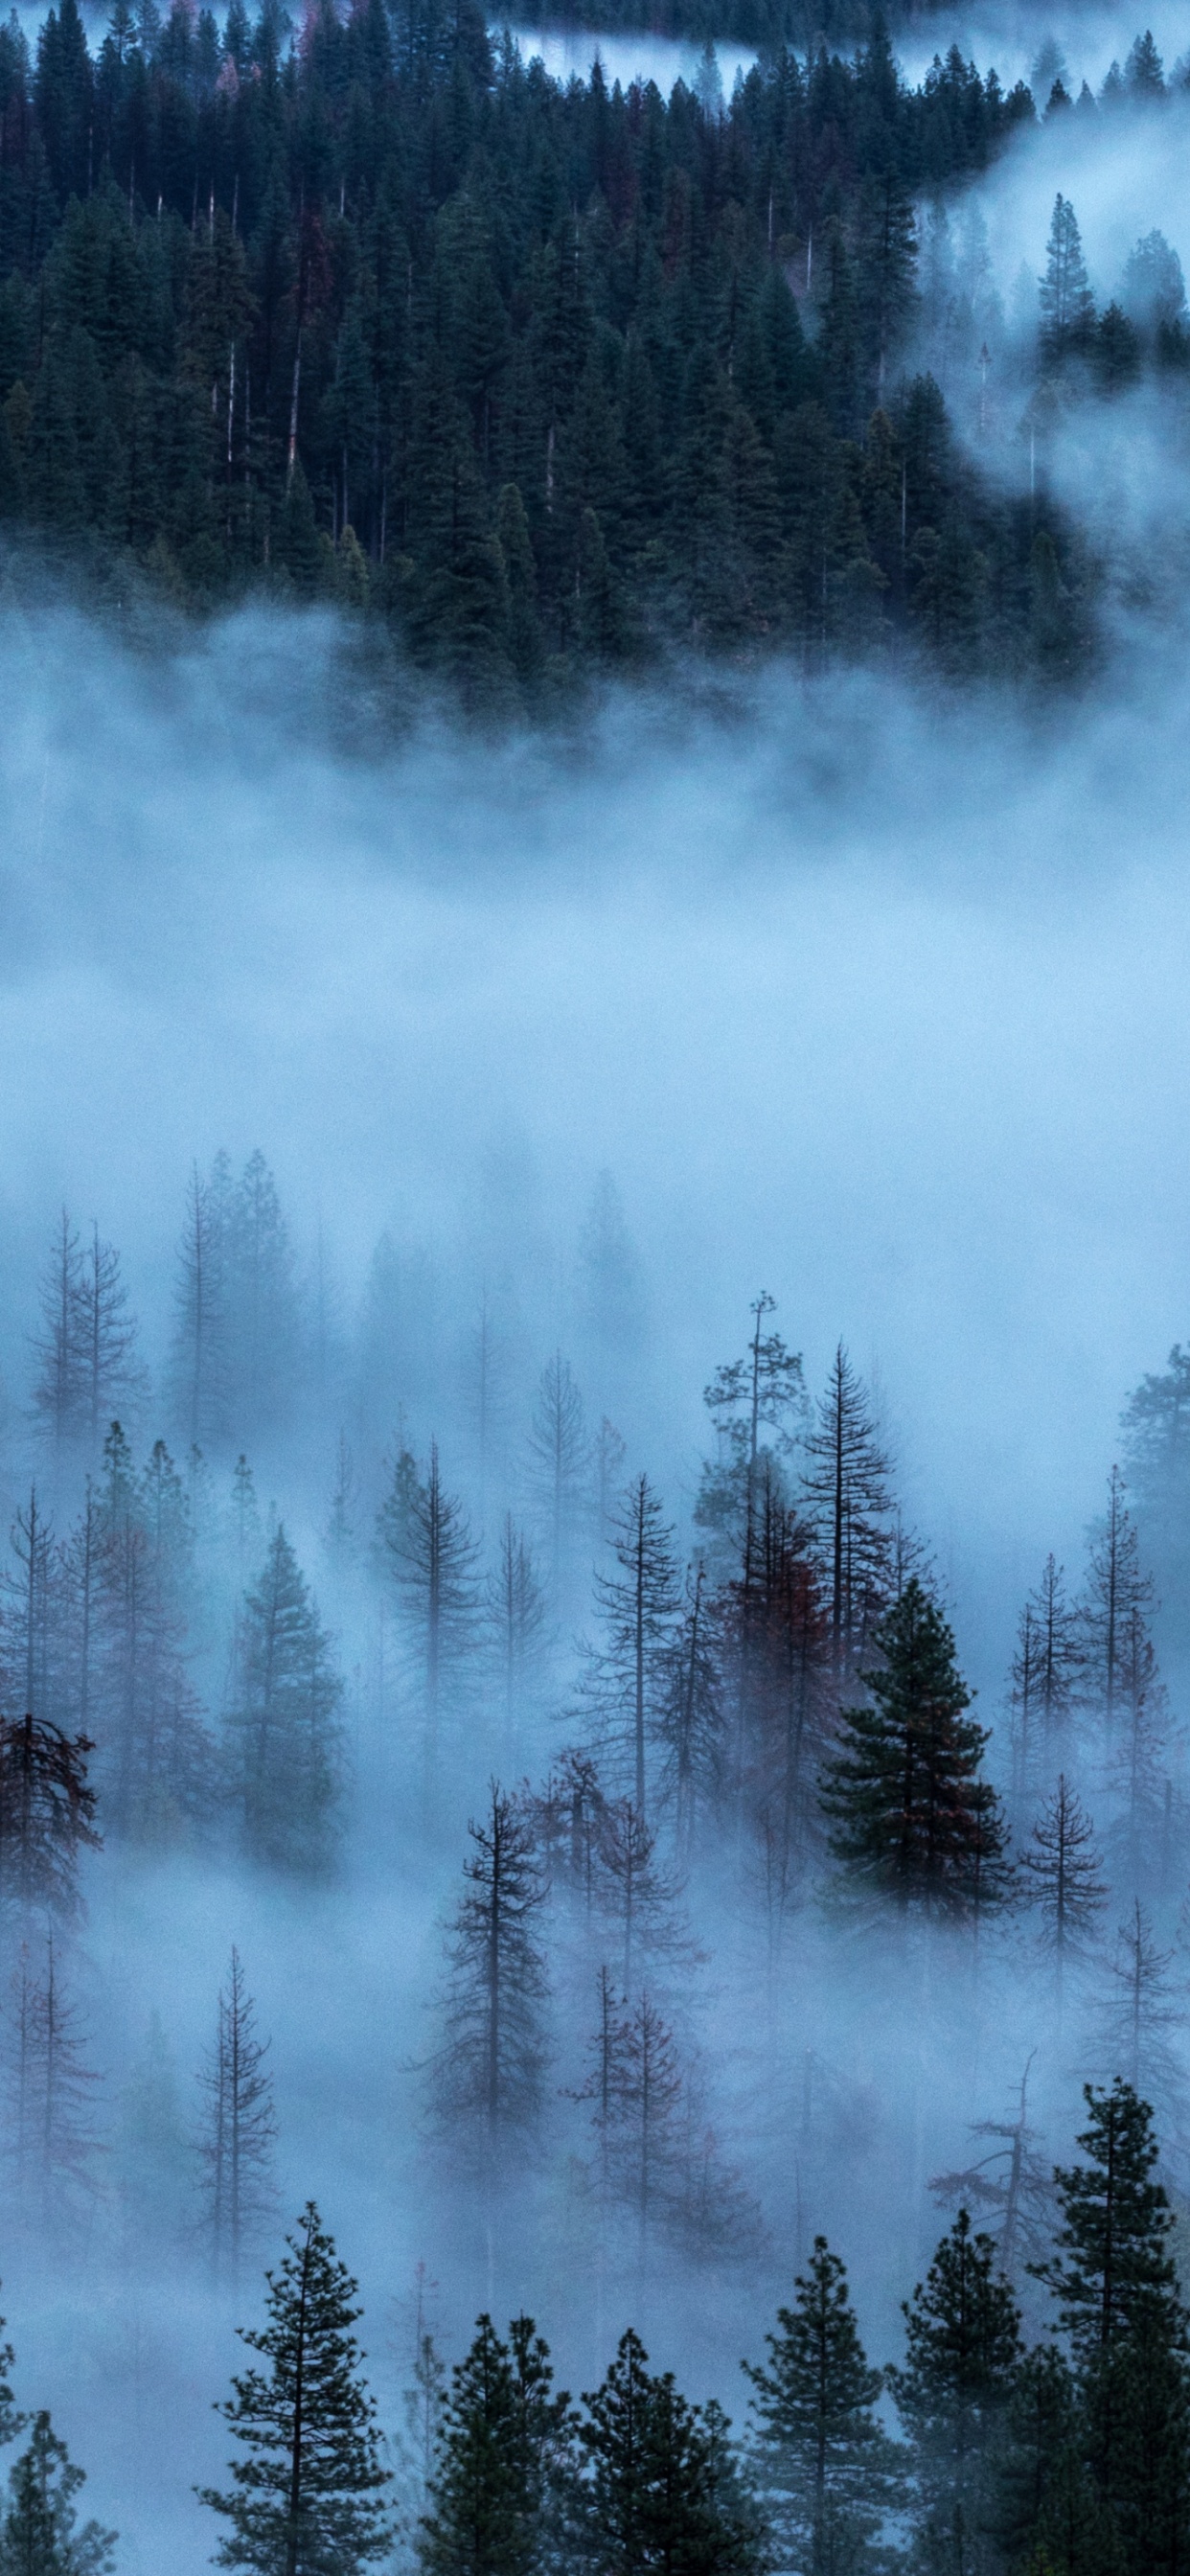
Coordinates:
(625, 1686)
(1115, 2283)
(1061, 1866)
(47, 1810)
(558, 1458)
(427, 1544)
(963, 2351)
(909, 1815)
(762, 1391)
(260, 1302)
(824, 2466)
(59, 1388)
(237, 2139)
(502, 2460)
(1115, 1590)
(39, 2533)
(632, 1889)
(1113, 2250)
(199, 1357)
(487, 2075)
(657, 2498)
(1045, 1673)
(49, 2090)
(848, 1491)
(519, 1639)
(284, 1737)
(1068, 311)
(105, 1330)
(11, 2423)
(152, 2157)
(691, 1722)
(307, 2491)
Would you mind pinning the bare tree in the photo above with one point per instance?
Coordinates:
(50, 2093)
(1009, 2189)
(1115, 1588)
(58, 1392)
(1045, 1671)
(47, 1810)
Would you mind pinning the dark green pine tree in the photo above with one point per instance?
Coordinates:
(822, 2462)
(909, 1816)
(306, 2495)
(285, 1742)
(39, 2533)
(657, 2497)
(963, 2337)
(502, 2462)
(1115, 2282)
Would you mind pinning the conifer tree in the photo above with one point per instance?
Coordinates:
(39, 2532)
(657, 2497)
(428, 1547)
(307, 2487)
(502, 2460)
(47, 1810)
(963, 2339)
(1068, 310)
(1045, 1672)
(1061, 1866)
(1141, 2017)
(848, 1490)
(516, 1616)
(487, 2074)
(1115, 1590)
(237, 2139)
(558, 1459)
(763, 1391)
(824, 2466)
(49, 2089)
(199, 1356)
(1113, 2251)
(624, 1687)
(59, 1390)
(909, 1816)
(284, 1735)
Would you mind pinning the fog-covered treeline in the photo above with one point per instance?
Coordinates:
(314, 1594)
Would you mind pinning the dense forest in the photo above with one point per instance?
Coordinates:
(538, 380)
(637, 1738)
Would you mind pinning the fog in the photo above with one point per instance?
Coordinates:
(864, 994)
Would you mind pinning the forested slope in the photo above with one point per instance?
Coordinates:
(540, 378)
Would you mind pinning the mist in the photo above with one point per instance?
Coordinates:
(866, 994)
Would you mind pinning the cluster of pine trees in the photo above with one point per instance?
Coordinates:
(1064, 2458)
(537, 378)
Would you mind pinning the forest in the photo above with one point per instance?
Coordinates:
(536, 382)
(628, 1756)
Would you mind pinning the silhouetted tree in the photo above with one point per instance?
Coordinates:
(307, 2491)
(488, 2072)
(502, 2460)
(40, 2533)
(237, 2139)
(47, 1810)
(910, 1817)
(283, 1732)
(849, 1494)
(824, 2466)
(963, 2351)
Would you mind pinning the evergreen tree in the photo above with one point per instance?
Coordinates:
(284, 1737)
(40, 2533)
(517, 1629)
(656, 2497)
(237, 2138)
(1068, 311)
(764, 1391)
(427, 1544)
(909, 1815)
(11, 2423)
(824, 2466)
(307, 2491)
(1116, 1591)
(963, 2351)
(487, 2074)
(1061, 1866)
(625, 1684)
(47, 1811)
(1045, 1672)
(558, 1458)
(1113, 2248)
(848, 1491)
(49, 2092)
(502, 2460)
(199, 1357)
